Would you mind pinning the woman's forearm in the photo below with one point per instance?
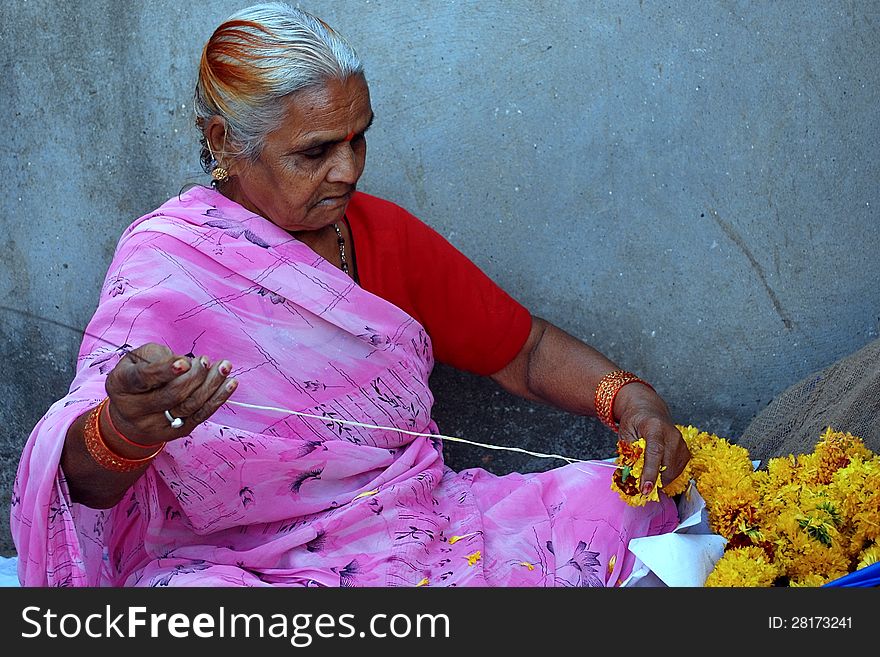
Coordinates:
(89, 483)
(564, 371)
(556, 368)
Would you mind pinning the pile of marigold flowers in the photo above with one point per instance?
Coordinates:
(800, 521)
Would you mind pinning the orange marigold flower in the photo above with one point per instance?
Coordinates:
(733, 517)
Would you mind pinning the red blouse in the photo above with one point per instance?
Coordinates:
(474, 325)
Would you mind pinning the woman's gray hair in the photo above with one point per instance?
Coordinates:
(253, 60)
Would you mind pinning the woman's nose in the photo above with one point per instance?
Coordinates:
(347, 164)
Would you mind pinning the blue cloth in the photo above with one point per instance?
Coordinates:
(868, 576)
(9, 571)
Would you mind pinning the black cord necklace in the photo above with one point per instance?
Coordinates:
(340, 240)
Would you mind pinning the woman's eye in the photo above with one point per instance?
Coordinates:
(314, 153)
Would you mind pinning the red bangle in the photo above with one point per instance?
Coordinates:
(606, 392)
(101, 453)
(128, 441)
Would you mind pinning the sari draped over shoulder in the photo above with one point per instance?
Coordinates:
(260, 497)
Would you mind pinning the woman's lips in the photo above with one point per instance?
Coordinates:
(330, 201)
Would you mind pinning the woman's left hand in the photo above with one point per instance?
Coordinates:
(642, 413)
(556, 368)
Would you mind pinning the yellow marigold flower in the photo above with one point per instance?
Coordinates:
(811, 580)
(815, 559)
(638, 499)
(810, 518)
(834, 451)
(870, 555)
(694, 438)
(721, 466)
(781, 471)
(807, 544)
(818, 528)
(679, 484)
(748, 566)
(852, 446)
(689, 433)
(855, 490)
(761, 480)
(733, 513)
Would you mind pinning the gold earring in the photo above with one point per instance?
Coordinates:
(219, 174)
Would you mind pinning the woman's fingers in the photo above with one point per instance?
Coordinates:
(665, 449)
(177, 391)
(182, 378)
(191, 399)
(652, 430)
(677, 455)
(152, 380)
(666, 453)
(144, 369)
(215, 401)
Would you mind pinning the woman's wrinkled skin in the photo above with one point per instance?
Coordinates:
(311, 163)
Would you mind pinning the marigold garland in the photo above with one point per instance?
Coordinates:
(626, 478)
(801, 520)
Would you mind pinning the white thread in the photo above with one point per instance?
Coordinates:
(413, 433)
(322, 417)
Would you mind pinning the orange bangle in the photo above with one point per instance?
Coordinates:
(101, 453)
(606, 391)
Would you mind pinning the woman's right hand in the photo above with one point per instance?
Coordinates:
(151, 379)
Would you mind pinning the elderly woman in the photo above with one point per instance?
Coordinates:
(322, 309)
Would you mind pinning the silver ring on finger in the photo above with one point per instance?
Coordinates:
(175, 422)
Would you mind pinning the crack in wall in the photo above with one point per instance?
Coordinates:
(737, 239)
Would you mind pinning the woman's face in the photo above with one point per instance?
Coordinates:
(310, 165)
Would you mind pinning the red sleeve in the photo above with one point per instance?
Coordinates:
(474, 325)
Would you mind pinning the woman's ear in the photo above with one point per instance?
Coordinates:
(215, 135)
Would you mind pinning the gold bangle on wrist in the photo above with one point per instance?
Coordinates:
(606, 391)
(101, 453)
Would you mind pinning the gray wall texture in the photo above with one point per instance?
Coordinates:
(691, 187)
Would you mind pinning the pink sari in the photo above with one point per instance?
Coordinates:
(262, 498)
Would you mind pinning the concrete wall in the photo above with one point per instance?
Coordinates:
(691, 187)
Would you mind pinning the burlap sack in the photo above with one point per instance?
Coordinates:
(845, 395)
